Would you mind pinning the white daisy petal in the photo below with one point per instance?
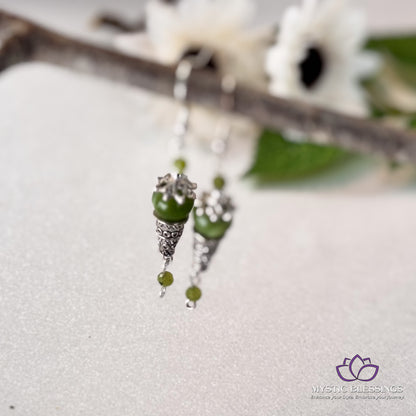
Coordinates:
(367, 63)
(136, 44)
(317, 56)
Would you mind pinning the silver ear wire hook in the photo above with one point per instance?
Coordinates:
(182, 74)
(228, 86)
(180, 92)
(227, 103)
(184, 70)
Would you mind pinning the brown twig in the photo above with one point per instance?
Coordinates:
(25, 41)
(120, 24)
(113, 21)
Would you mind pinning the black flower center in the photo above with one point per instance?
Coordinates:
(195, 51)
(311, 67)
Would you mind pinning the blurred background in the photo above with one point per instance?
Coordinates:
(310, 273)
(73, 17)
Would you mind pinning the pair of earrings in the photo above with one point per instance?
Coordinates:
(174, 197)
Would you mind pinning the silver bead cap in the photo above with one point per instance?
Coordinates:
(216, 205)
(178, 187)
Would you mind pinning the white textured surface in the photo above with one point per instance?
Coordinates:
(305, 277)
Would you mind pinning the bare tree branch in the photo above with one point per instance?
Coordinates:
(118, 23)
(23, 41)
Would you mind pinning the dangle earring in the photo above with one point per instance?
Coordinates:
(213, 212)
(174, 196)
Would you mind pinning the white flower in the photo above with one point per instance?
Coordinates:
(318, 56)
(175, 29)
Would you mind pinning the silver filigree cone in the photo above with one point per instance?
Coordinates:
(204, 249)
(168, 235)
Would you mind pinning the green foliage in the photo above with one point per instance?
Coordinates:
(391, 90)
(278, 159)
(412, 123)
(401, 47)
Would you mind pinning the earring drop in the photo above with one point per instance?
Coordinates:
(174, 196)
(213, 212)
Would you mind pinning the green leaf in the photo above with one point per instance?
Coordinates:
(412, 123)
(401, 47)
(278, 159)
(392, 91)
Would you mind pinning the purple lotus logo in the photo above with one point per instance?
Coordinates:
(357, 369)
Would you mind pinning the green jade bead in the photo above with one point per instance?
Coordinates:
(219, 182)
(209, 229)
(180, 164)
(165, 278)
(193, 293)
(171, 210)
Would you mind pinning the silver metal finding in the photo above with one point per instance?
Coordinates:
(195, 277)
(203, 251)
(166, 263)
(228, 86)
(223, 132)
(183, 72)
(184, 69)
(162, 291)
(219, 145)
(180, 92)
(190, 304)
(180, 129)
(168, 235)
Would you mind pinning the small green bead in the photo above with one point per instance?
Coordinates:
(193, 293)
(180, 164)
(165, 278)
(219, 182)
(170, 210)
